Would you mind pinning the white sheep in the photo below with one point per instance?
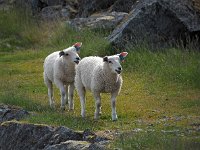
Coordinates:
(99, 75)
(59, 68)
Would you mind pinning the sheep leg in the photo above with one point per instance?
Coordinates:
(71, 95)
(97, 104)
(113, 106)
(50, 91)
(66, 95)
(81, 93)
(60, 85)
(50, 94)
(82, 100)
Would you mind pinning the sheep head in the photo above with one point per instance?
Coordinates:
(114, 62)
(71, 53)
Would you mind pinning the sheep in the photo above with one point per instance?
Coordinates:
(59, 68)
(99, 75)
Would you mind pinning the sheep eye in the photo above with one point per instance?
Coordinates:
(110, 62)
(67, 54)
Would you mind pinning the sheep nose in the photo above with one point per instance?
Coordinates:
(119, 68)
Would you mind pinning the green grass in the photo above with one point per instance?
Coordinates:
(156, 140)
(157, 85)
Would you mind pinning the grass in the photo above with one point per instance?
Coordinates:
(156, 140)
(161, 90)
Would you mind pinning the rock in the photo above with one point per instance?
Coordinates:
(88, 7)
(123, 6)
(53, 2)
(88, 135)
(196, 5)
(15, 135)
(159, 23)
(75, 145)
(58, 12)
(69, 145)
(1, 1)
(11, 112)
(69, 8)
(52, 12)
(102, 20)
(37, 6)
(49, 9)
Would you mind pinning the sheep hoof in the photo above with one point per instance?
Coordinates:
(62, 108)
(71, 107)
(83, 115)
(96, 116)
(114, 118)
(52, 106)
(71, 110)
(100, 113)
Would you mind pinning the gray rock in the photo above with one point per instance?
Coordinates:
(29, 136)
(159, 23)
(57, 12)
(102, 20)
(196, 5)
(123, 6)
(88, 7)
(51, 12)
(1, 1)
(53, 2)
(11, 112)
(75, 145)
(69, 145)
(15, 135)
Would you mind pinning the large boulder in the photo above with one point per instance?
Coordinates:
(99, 21)
(15, 135)
(158, 23)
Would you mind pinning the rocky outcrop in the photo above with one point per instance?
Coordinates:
(8, 113)
(15, 135)
(102, 21)
(159, 23)
(22, 136)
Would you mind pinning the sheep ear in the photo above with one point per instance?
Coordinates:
(122, 56)
(78, 46)
(105, 59)
(61, 53)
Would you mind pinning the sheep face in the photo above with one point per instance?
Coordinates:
(113, 63)
(70, 54)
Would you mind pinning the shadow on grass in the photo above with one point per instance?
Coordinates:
(43, 114)
(21, 101)
(70, 120)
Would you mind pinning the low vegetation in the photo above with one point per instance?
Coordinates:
(160, 95)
